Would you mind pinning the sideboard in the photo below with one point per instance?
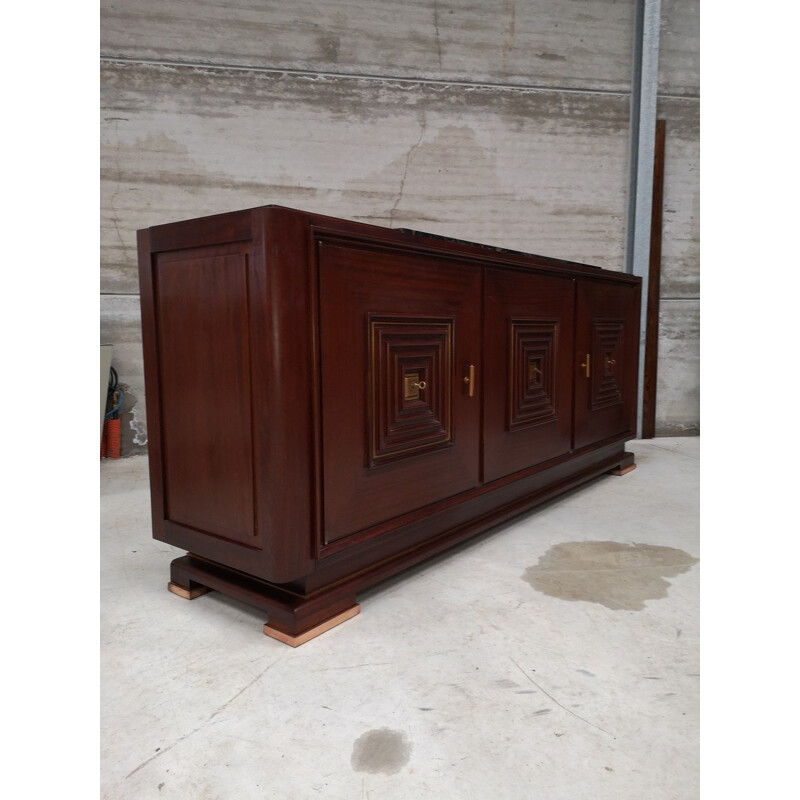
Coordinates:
(330, 402)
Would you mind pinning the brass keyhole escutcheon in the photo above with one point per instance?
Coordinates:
(413, 386)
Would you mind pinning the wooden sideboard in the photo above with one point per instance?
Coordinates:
(330, 402)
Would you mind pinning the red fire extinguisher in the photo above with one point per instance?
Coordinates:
(109, 444)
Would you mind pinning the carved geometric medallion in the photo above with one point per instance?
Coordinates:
(410, 386)
(608, 349)
(532, 367)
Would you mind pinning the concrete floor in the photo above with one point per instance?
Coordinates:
(555, 658)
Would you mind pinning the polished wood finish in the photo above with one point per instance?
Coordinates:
(607, 331)
(416, 303)
(330, 402)
(528, 364)
(205, 390)
(650, 378)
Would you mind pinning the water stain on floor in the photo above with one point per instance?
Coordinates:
(381, 751)
(616, 575)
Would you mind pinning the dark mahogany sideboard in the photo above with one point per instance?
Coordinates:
(330, 402)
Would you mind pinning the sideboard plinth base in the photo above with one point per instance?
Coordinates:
(311, 605)
(292, 618)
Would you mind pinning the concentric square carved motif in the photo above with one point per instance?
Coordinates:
(607, 346)
(410, 386)
(531, 371)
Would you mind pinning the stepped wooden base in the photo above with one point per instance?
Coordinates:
(314, 604)
(293, 618)
(296, 641)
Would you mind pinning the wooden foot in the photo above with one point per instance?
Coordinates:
(626, 465)
(188, 594)
(622, 470)
(296, 641)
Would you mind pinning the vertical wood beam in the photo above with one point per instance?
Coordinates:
(654, 287)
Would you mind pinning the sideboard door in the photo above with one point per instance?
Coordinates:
(400, 426)
(528, 372)
(606, 361)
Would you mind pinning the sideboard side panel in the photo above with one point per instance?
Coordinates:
(204, 374)
(205, 331)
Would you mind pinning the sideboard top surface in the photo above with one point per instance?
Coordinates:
(238, 226)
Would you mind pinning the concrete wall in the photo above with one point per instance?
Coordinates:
(678, 391)
(501, 122)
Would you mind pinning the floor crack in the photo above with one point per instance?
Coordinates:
(670, 450)
(203, 725)
(560, 705)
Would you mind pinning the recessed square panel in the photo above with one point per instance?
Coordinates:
(410, 386)
(532, 356)
(608, 349)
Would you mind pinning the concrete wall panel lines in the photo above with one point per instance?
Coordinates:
(680, 251)
(678, 390)
(570, 43)
(543, 172)
(679, 65)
